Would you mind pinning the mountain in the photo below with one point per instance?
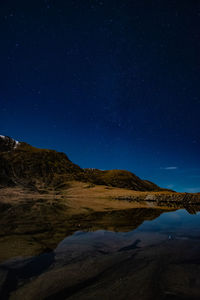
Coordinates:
(24, 165)
(7, 144)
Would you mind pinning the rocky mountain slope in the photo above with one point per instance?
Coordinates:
(24, 165)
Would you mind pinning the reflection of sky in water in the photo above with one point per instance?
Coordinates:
(177, 220)
(174, 236)
(170, 225)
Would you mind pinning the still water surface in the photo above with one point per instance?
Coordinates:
(159, 259)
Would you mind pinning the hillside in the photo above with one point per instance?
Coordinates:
(56, 198)
(24, 165)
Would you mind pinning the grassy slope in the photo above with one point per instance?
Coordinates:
(31, 167)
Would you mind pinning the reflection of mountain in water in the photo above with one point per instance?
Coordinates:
(193, 209)
(31, 228)
(94, 264)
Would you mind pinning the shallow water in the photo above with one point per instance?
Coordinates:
(159, 259)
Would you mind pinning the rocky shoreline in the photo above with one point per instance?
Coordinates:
(164, 198)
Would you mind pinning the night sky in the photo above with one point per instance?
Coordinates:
(113, 84)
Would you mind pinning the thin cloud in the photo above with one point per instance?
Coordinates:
(170, 186)
(169, 168)
(192, 190)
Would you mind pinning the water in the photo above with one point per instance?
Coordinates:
(158, 259)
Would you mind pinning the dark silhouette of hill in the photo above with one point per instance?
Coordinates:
(24, 165)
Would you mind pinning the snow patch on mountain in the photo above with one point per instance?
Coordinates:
(8, 142)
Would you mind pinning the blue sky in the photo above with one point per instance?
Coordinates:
(113, 84)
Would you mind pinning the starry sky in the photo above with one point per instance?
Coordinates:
(113, 84)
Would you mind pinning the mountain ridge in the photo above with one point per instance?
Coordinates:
(25, 165)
